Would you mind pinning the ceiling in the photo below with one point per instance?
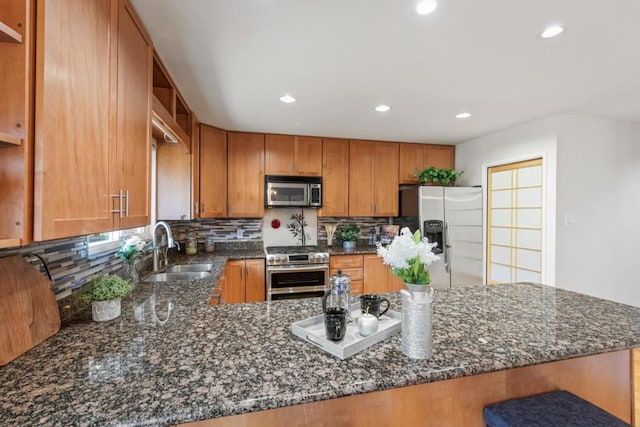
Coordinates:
(233, 59)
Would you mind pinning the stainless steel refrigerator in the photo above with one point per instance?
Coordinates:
(451, 216)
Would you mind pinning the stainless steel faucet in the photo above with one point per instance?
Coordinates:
(157, 262)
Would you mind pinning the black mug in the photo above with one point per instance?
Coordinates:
(335, 323)
(371, 304)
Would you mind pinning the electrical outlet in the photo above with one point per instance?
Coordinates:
(239, 233)
(569, 220)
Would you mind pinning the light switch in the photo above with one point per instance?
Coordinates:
(569, 220)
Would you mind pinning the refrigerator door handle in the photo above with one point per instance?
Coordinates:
(447, 263)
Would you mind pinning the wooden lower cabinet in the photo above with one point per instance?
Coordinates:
(602, 379)
(378, 277)
(243, 281)
(368, 274)
(350, 265)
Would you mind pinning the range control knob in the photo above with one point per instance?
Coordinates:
(271, 259)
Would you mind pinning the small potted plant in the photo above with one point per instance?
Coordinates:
(104, 293)
(435, 176)
(349, 235)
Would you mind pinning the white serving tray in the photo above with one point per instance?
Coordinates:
(312, 330)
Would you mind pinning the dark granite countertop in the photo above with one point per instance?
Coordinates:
(172, 358)
(358, 250)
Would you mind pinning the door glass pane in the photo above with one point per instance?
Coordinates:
(514, 229)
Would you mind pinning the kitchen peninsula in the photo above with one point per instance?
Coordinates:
(171, 358)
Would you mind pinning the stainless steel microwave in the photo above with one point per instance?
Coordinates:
(292, 191)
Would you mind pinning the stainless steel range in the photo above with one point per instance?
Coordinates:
(296, 272)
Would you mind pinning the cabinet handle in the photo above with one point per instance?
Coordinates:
(203, 209)
(126, 209)
(196, 207)
(119, 196)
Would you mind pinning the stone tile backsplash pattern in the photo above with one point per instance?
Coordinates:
(365, 224)
(221, 229)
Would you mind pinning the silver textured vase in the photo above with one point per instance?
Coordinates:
(417, 310)
(105, 310)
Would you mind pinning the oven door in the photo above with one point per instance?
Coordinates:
(296, 281)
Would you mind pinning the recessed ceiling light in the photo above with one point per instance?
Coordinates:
(552, 31)
(426, 7)
(287, 99)
(382, 108)
(464, 115)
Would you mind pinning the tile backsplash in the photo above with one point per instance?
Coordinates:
(365, 224)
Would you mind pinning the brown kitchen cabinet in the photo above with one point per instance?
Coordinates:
(416, 157)
(351, 265)
(213, 172)
(133, 135)
(378, 277)
(172, 118)
(245, 175)
(373, 178)
(173, 197)
(335, 176)
(293, 155)
(17, 19)
(243, 281)
(91, 169)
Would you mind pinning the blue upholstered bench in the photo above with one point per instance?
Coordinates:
(558, 408)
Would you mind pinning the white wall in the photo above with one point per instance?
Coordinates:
(530, 140)
(593, 175)
(598, 183)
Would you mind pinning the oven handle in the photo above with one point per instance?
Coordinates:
(297, 290)
(293, 269)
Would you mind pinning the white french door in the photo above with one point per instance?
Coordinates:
(514, 222)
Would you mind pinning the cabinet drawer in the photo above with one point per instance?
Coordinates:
(345, 261)
(353, 273)
(357, 287)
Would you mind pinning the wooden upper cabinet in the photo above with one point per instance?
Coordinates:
(245, 174)
(92, 135)
(416, 157)
(213, 172)
(293, 155)
(133, 137)
(16, 126)
(373, 178)
(74, 172)
(442, 156)
(335, 176)
(173, 197)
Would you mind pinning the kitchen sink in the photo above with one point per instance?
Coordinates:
(177, 275)
(189, 267)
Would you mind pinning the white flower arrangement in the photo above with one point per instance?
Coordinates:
(132, 247)
(409, 257)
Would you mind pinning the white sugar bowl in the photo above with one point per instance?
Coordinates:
(367, 324)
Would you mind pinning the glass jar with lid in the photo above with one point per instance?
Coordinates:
(209, 244)
(191, 247)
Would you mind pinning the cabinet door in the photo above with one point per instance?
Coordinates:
(133, 134)
(335, 176)
(73, 192)
(394, 283)
(375, 275)
(278, 154)
(441, 156)
(213, 172)
(254, 280)
(361, 173)
(234, 279)
(307, 156)
(245, 186)
(412, 159)
(174, 182)
(16, 172)
(385, 179)
(195, 169)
